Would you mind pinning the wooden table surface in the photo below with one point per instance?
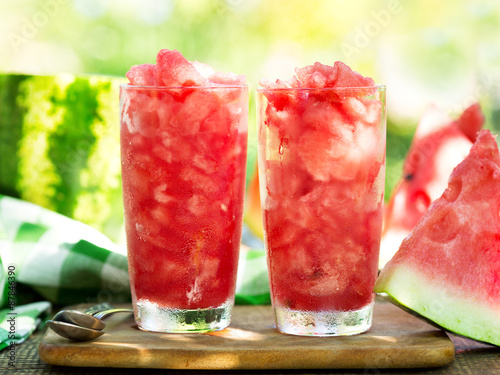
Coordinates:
(471, 358)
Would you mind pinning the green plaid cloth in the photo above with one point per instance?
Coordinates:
(18, 323)
(61, 259)
(252, 287)
(48, 256)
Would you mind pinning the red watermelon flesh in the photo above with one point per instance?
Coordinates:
(189, 111)
(471, 121)
(323, 214)
(338, 75)
(448, 268)
(438, 146)
(317, 76)
(142, 75)
(174, 70)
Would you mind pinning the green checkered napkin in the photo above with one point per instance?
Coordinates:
(252, 287)
(48, 256)
(63, 261)
(18, 323)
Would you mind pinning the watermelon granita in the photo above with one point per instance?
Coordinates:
(321, 164)
(448, 268)
(438, 145)
(183, 143)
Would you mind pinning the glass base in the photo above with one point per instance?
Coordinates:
(329, 323)
(152, 317)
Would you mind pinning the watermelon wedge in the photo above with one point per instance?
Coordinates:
(438, 145)
(448, 269)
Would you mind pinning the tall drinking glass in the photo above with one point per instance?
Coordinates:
(322, 167)
(183, 152)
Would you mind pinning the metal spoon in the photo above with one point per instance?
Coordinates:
(79, 318)
(74, 332)
(76, 325)
(86, 320)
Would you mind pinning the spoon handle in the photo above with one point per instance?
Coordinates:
(99, 307)
(102, 314)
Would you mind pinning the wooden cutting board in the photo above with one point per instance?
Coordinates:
(396, 340)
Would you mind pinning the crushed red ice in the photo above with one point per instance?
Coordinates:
(142, 75)
(172, 69)
(322, 76)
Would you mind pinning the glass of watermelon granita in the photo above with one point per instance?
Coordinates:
(183, 151)
(322, 165)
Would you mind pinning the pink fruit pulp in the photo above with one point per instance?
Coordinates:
(456, 242)
(183, 171)
(322, 160)
(439, 145)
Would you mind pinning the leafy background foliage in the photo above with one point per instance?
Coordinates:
(427, 52)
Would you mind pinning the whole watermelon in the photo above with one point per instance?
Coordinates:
(59, 146)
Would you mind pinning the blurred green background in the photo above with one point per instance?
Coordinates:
(443, 52)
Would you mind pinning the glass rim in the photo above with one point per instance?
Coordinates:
(210, 87)
(378, 87)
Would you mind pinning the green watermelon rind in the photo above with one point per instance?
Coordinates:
(441, 305)
(59, 146)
